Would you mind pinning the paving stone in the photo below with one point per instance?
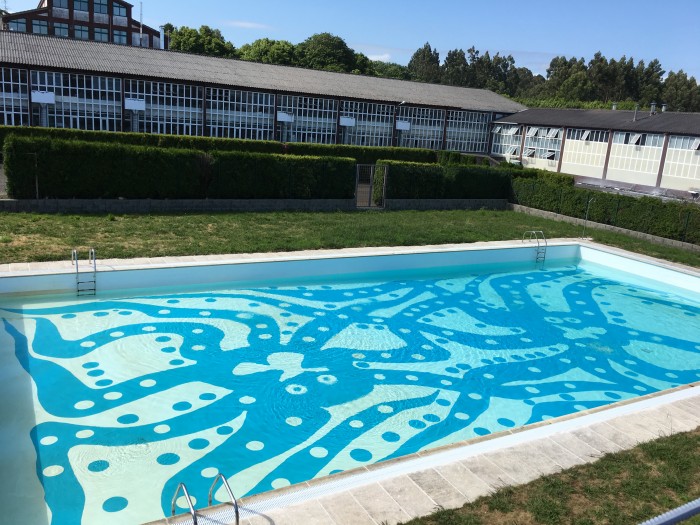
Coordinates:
(577, 446)
(596, 441)
(465, 481)
(687, 412)
(637, 428)
(677, 419)
(488, 472)
(439, 489)
(523, 463)
(412, 499)
(344, 509)
(560, 455)
(616, 434)
(379, 505)
(308, 513)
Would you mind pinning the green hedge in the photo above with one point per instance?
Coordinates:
(240, 175)
(455, 157)
(363, 155)
(78, 169)
(668, 219)
(407, 180)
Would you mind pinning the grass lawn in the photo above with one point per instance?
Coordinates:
(35, 237)
(620, 489)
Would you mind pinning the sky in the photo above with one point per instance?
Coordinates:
(392, 30)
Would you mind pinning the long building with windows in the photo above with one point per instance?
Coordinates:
(99, 20)
(57, 82)
(648, 151)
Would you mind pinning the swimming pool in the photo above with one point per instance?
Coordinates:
(277, 383)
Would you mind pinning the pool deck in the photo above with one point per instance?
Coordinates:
(449, 477)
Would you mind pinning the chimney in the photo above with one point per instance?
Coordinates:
(636, 108)
(653, 109)
(614, 106)
(664, 108)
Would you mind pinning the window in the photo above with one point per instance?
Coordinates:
(101, 7)
(101, 35)
(585, 135)
(120, 37)
(532, 132)
(80, 5)
(60, 29)
(696, 145)
(82, 32)
(62, 4)
(553, 133)
(635, 139)
(40, 27)
(118, 9)
(497, 129)
(19, 25)
(530, 152)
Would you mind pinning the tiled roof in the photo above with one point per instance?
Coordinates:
(41, 51)
(661, 122)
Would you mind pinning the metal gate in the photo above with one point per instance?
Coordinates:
(366, 194)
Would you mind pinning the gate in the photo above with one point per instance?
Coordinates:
(366, 195)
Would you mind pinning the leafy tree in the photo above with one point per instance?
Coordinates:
(363, 65)
(455, 69)
(390, 70)
(681, 93)
(424, 65)
(269, 51)
(650, 82)
(327, 52)
(205, 41)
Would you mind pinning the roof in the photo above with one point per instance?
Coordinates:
(97, 57)
(663, 122)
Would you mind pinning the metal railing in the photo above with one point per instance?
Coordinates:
(183, 488)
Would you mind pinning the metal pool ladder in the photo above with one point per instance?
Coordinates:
(182, 488)
(85, 282)
(539, 236)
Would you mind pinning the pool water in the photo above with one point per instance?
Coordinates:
(275, 385)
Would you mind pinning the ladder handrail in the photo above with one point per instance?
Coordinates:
(234, 501)
(535, 235)
(189, 502)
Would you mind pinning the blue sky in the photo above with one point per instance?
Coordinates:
(533, 32)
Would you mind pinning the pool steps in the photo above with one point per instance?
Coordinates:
(183, 488)
(539, 236)
(88, 284)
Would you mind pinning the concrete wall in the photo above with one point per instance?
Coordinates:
(540, 164)
(634, 164)
(584, 158)
(446, 204)
(681, 170)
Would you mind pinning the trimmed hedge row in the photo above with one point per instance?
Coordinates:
(362, 155)
(455, 157)
(240, 175)
(77, 169)
(408, 180)
(668, 219)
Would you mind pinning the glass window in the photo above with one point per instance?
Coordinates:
(82, 32)
(60, 29)
(80, 5)
(101, 7)
(40, 27)
(118, 9)
(63, 4)
(19, 25)
(101, 35)
(120, 37)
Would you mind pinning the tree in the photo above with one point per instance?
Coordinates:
(363, 65)
(205, 41)
(681, 93)
(650, 82)
(424, 65)
(455, 69)
(269, 51)
(327, 52)
(390, 70)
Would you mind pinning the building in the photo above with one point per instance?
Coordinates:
(58, 82)
(99, 20)
(645, 151)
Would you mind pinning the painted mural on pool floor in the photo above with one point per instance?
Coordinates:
(275, 386)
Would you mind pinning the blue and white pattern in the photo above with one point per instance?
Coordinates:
(278, 385)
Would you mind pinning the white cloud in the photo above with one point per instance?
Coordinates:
(244, 24)
(386, 57)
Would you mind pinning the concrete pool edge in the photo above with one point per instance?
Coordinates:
(259, 509)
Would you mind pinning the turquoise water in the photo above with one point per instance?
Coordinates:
(275, 385)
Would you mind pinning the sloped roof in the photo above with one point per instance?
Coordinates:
(97, 57)
(661, 122)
